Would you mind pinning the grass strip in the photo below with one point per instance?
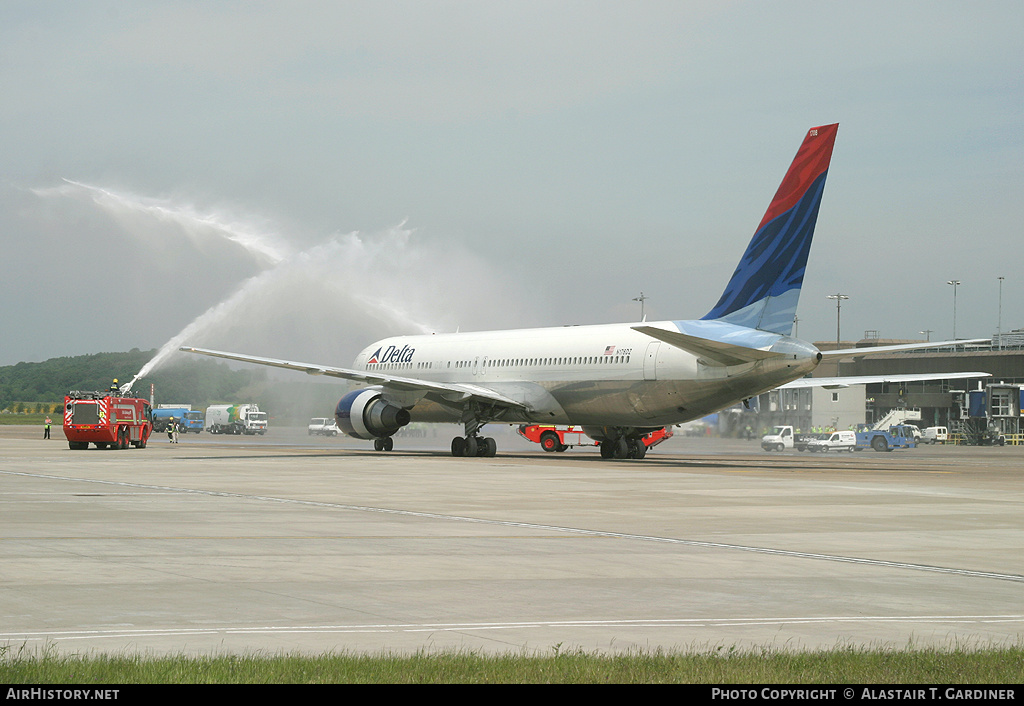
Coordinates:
(841, 665)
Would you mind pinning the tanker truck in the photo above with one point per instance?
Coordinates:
(236, 419)
(183, 415)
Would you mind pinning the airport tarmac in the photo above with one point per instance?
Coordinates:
(290, 543)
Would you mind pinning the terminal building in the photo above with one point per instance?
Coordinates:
(956, 404)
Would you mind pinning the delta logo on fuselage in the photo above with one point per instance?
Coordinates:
(392, 354)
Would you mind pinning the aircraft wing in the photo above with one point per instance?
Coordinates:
(452, 392)
(848, 381)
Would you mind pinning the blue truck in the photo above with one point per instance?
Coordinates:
(898, 436)
(183, 415)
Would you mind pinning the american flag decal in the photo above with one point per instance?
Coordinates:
(609, 350)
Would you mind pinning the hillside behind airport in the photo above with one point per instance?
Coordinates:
(30, 389)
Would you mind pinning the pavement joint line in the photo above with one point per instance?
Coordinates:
(547, 528)
(58, 635)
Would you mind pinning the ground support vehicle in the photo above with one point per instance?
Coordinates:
(322, 426)
(555, 438)
(559, 438)
(780, 439)
(898, 436)
(183, 415)
(106, 420)
(898, 415)
(935, 435)
(836, 441)
(236, 419)
(801, 441)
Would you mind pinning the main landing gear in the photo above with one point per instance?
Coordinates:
(471, 444)
(622, 448)
(383, 444)
(474, 446)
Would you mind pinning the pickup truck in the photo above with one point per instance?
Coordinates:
(802, 442)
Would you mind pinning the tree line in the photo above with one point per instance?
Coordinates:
(193, 381)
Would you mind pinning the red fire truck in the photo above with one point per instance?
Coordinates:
(559, 438)
(107, 420)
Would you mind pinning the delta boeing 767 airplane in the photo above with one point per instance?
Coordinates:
(618, 381)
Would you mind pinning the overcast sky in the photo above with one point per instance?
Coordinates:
(305, 177)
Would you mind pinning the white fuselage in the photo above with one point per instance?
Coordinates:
(605, 375)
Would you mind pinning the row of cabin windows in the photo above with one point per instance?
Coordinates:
(511, 362)
(576, 360)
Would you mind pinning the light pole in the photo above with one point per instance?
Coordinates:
(954, 283)
(1000, 325)
(927, 333)
(641, 299)
(839, 302)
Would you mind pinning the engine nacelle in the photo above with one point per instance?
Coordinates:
(364, 414)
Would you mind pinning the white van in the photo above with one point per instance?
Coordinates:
(934, 435)
(912, 428)
(836, 441)
(323, 426)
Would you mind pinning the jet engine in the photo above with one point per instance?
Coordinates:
(364, 414)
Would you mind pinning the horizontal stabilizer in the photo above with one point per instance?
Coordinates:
(712, 352)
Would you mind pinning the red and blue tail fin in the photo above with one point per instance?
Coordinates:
(765, 287)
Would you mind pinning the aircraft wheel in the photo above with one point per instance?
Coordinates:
(490, 447)
(389, 444)
(637, 448)
(621, 449)
(549, 441)
(606, 449)
(458, 446)
(472, 447)
(378, 444)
